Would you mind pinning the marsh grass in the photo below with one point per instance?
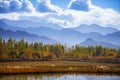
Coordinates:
(58, 66)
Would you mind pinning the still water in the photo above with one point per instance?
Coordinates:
(60, 77)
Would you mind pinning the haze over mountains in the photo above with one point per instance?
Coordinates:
(51, 33)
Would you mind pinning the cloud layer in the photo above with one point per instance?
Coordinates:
(78, 12)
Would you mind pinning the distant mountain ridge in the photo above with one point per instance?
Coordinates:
(94, 28)
(28, 24)
(18, 35)
(64, 35)
(82, 28)
(113, 38)
(91, 42)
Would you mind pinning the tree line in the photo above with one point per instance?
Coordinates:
(23, 50)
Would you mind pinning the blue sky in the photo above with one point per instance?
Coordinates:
(114, 4)
(65, 13)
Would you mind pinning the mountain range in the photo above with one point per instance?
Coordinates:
(92, 42)
(113, 38)
(84, 34)
(18, 35)
(27, 24)
(95, 28)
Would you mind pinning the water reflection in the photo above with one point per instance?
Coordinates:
(60, 77)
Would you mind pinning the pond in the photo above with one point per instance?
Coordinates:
(60, 76)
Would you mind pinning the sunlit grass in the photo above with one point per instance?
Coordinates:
(57, 66)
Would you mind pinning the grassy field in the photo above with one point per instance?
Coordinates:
(58, 66)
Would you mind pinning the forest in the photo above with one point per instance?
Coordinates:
(21, 50)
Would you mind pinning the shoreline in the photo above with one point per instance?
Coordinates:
(58, 67)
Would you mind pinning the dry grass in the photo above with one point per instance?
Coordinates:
(57, 66)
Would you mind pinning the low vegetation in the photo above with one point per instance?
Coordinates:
(57, 66)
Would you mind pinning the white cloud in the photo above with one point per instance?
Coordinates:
(10, 16)
(15, 5)
(8, 6)
(4, 6)
(81, 5)
(46, 6)
(27, 6)
(103, 17)
(58, 21)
